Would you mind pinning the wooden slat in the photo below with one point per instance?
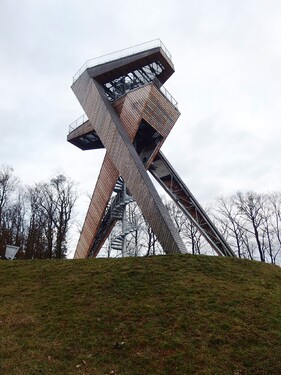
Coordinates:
(115, 138)
(102, 193)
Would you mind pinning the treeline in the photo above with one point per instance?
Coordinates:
(250, 223)
(35, 218)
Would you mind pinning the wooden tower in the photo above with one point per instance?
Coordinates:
(130, 114)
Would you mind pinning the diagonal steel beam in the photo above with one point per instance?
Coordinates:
(168, 178)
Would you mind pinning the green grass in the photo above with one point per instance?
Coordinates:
(159, 315)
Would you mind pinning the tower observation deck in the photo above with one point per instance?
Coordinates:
(129, 112)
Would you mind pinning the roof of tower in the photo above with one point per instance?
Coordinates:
(110, 67)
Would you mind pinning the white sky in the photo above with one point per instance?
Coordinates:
(227, 56)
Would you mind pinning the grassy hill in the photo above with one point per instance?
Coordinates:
(160, 315)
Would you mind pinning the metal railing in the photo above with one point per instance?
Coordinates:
(75, 124)
(122, 53)
(165, 92)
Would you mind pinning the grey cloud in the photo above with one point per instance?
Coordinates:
(227, 81)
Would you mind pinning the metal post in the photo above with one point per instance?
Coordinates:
(124, 220)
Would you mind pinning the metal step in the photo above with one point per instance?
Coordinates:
(118, 248)
(117, 242)
(130, 228)
(117, 213)
(119, 185)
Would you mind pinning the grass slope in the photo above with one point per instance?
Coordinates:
(160, 315)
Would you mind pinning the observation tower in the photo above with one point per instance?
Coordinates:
(129, 112)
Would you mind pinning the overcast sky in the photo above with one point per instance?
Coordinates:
(227, 56)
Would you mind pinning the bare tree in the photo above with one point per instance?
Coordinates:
(136, 221)
(251, 223)
(189, 232)
(251, 207)
(193, 237)
(62, 196)
(273, 225)
(38, 243)
(51, 206)
(232, 225)
(8, 185)
(142, 240)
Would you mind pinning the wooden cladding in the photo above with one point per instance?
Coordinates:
(116, 125)
(103, 190)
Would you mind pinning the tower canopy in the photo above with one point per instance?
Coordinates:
(130, 68)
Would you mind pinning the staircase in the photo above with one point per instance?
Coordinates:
(117, 242)
(115, 211)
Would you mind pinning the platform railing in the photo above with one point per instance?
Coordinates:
(75, 124)
(122, 53)
(165, 92)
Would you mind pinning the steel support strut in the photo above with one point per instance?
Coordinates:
(168, 178)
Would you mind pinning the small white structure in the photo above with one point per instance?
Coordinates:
(11, 251)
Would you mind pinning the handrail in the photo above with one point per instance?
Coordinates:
(75, 124)
(122, 53)
(165, 92)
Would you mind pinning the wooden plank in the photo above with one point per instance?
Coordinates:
(113, 135)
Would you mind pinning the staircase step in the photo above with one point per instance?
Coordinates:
(119, 185)
(116, 247)
(117, 242)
